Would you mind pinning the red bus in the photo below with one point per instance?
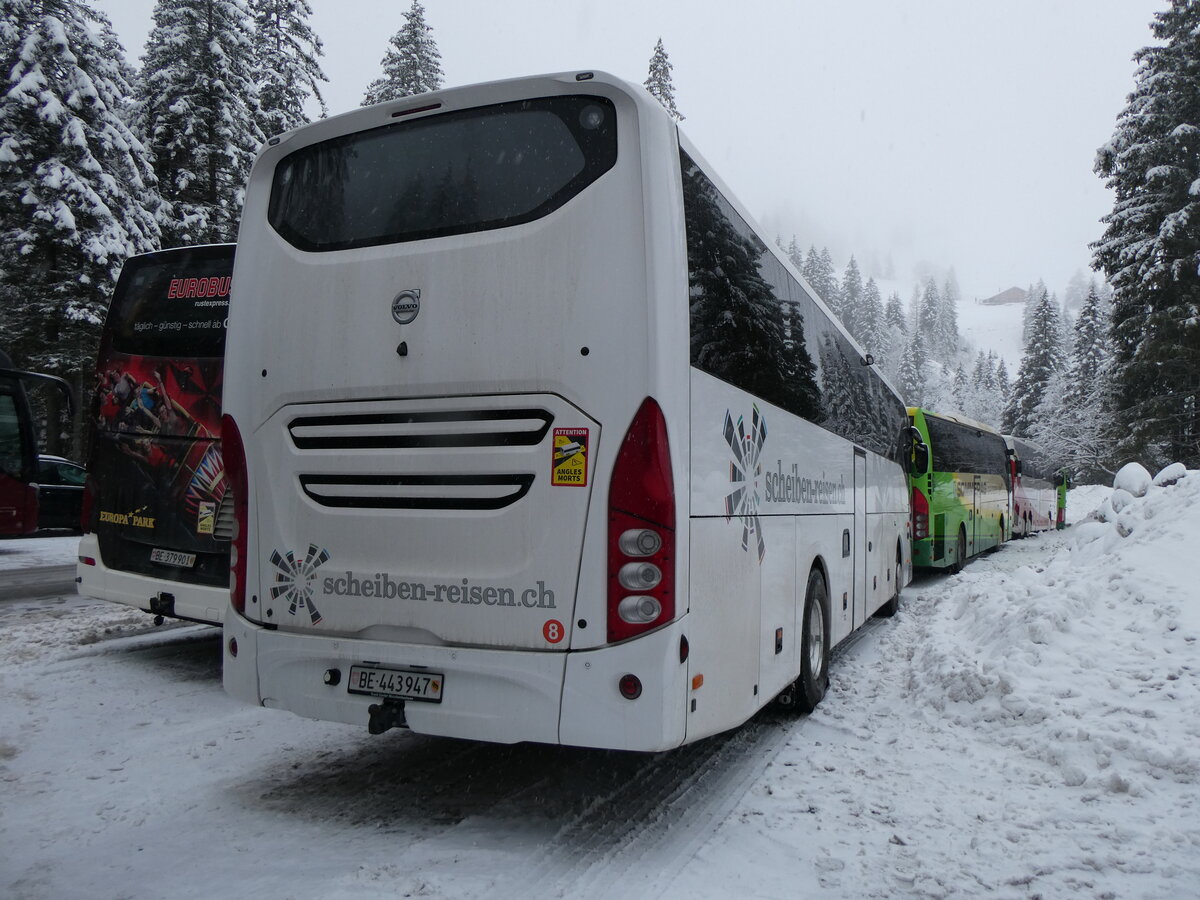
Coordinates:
(18, 448)
(1035, 487)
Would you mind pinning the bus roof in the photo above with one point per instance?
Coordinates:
(949, 417)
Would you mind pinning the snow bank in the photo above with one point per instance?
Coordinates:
(1097, 642)
(1133, 478)
(1170, 475)
(1030, 727)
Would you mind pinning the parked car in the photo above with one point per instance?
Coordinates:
(60, 492)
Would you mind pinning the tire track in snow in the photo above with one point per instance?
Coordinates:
(667, 808)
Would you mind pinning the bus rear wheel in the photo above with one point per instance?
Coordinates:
(960, 553)
(814, 645)
(892, 607)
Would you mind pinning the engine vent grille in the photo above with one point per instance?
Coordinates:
(450, 484)
(416, 491)
(393, 431)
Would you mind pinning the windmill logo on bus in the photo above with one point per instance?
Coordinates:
(294, 580)
(745, 470)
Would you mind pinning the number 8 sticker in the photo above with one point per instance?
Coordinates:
(553, 631)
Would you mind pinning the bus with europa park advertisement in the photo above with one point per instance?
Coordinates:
(18, 447)
(961, 489)
(1036, 483)
(157, 516)
(534, 436)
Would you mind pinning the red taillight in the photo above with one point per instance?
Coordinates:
(630, 687)
(920, 513)
(234, 454)
(641, 529)
(85, 508)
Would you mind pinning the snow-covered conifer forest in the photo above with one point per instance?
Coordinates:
(100, 159)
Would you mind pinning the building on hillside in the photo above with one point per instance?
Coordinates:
(1004, 298)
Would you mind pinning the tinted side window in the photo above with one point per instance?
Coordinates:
(453, 173)
(76, 476)
(1034, 464)
(958, 448)
(755, 326)
(744, 327)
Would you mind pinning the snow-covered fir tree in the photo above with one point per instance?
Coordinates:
(961, 390)
(1076, 292)
(894, 313)
(412, 64)
(983, 376)
(286, 55)
(1091, 348)
(198, 111)
(795, 255)
(1150, 250)
(912, 375)
(1033, 296)
(893, 337)
(997, 402)
(850, 298)
(819, 273)
(870, 318)
(1043, 359)
(1003, 392)
(928, 317)
(658, 81)
(985, 394)
(77, 190)
(1082, 431)
(946, 333)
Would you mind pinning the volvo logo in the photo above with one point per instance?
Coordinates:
(406, 306)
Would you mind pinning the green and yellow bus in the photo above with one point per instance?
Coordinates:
(961, 489)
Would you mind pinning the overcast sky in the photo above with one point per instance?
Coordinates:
(950, 132)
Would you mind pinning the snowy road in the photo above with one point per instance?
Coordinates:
(129, 773)
(53, 582)
(1030, 728)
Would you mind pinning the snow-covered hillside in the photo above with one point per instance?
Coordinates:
(986, 328)
(1028, 728)
(995, 328)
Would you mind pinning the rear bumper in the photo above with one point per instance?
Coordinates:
(198, 603)
(503, 696)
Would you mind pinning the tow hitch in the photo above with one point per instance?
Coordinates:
(386, 715)
(162, 604)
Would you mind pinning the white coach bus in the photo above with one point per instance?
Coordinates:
(533, 436)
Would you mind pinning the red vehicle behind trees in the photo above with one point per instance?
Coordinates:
(18, 448)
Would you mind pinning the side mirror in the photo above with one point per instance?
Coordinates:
(920, 459)
(920, 452)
